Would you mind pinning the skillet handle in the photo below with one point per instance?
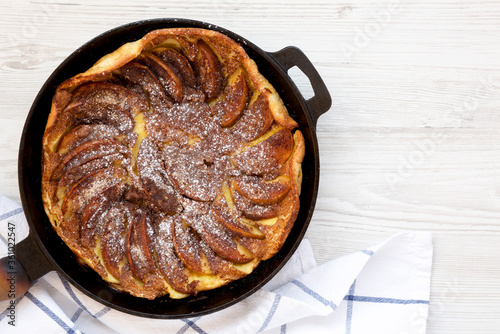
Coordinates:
(23, 265)
(321, 102)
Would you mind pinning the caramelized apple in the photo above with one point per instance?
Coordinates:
(95, 211)
(235, 99)
(143, 77)
(232, 221)
(84, 133)
(218, 238)
(255, 120)
(92, 184)
(209, 71)
(263, 192)
(170, 265)
(178, 64)
(266, 155)
(112, 242)
(187, 247)
(105, 103)
(170, 82)
(88, 151)
(138, 246)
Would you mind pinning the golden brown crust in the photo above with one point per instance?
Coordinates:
(122, 196)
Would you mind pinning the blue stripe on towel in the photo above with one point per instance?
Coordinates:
(77, 314)
(68, 288)
(11, 213)
(314, 294)
(102, 312)
(276, 302)
(72, 294)
(183, 329)
(51, 314)
(194, 326)
(348, 321)
(351, 297)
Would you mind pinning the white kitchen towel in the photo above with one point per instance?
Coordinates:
(380, 289)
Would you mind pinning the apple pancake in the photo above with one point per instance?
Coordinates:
(172, 166)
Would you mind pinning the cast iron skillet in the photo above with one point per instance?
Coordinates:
(43, 251)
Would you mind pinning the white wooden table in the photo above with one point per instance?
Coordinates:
(412, 141)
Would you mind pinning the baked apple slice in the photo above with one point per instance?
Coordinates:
(138, 247)
(255, 120)
(178, 64)
(96, 103)
(224, 269)
(234, 100)
(160, 127)
(231, 219)
(187, 247)
(209, 71)
(170, 82)
(94, 183)
(142, 76)
(113, 241)
(84, 133)
(265, 155)
(251, 210)
(260, 191)
(105, 103)
(169, 264)
(77, 198)
(94, 213)
(73, 175)
(219, 239)
(86, 152)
